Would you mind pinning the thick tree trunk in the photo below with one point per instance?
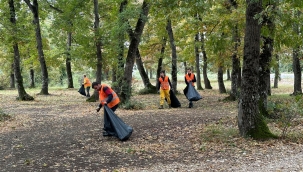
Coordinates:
(12, 77)
(222, 88)
(250, 121)
(205, 62)
(119, 69)
(277, 72)
(35, 10)
(98, 42)
(199, 86)
(142, 72)
(22, 95)
(297, 72)
(185, 68)
(236, 71)
(173, 54)
(131, 55)
(70, 83)
(160, 60)
(32, 78)
(228, 75)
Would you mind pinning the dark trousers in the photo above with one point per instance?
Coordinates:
(87, 91)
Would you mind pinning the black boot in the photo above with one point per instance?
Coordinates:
(190, 105)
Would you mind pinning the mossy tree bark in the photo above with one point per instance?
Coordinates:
(35, 10)
(250, 121)
(131, 55)
(22, 95)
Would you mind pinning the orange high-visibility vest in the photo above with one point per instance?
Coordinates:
(190, 78)
(164, 83)
(86, 82)
(103, 96)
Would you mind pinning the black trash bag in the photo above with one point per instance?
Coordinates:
(191, 93)
(82, 90)
(174, 100)
(114, 126)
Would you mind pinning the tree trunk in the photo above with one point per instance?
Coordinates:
(173, 54)
(228, 74)
(185, 68)
(131, 55)
(264, 72)
(12, 77)
(296, 62)
(22, 95)
(119, 68)
(297, 72)
(205, 77)
(236, 71)
(35, 10)
(277, 72)
(32, 78)
(142, 72)
(199, 86)
(160, 60)
(68, 62)
(220, 80)
(250, 121)
(98, 42)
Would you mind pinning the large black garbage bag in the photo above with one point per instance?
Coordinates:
(82, 90)
(191, 93)
(174, 100)
(114, 126)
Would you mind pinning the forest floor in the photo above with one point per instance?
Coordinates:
(62, 132)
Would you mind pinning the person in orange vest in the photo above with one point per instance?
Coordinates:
(87, 84)
(190, 78)
(164, 86)
(107, 96)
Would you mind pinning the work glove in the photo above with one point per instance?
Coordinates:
(98, 109)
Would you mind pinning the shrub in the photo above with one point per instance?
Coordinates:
(4, 116)
(133, 105)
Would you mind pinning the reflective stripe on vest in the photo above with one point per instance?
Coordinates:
(190, 78)
(164, 83)
(103, 96)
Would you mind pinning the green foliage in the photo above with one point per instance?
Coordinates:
(285, 112)
(4, 116)
(148, 90)
(133, 105)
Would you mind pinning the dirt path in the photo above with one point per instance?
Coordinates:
(62, 132)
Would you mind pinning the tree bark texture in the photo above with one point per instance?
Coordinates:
(12, 77)
(277, 72)
(131, 55)
(250, 122)
(264, 72)
(98, 42)
(35, 10)
(199, 86)
(70, 83)
(142, 72)
(160, 60)
(205, 62)
(22, 95)
(173, 54)
(32, 78)
(297, 72)
(236, 71)
(222, 88)
(228, 75)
